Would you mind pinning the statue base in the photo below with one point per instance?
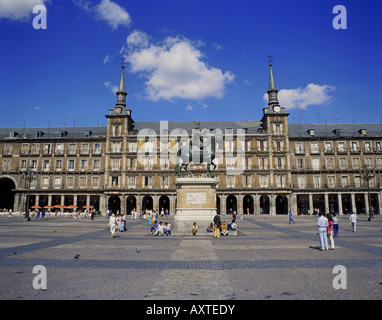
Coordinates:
(196, 202)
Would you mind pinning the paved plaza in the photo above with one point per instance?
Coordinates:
(268, 260)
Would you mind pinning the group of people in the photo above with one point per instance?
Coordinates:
(161, 229)
(328, 228)
(117, 223)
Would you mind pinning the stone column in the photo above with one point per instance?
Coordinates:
(339, 199)
(311, 206)
(353, 207)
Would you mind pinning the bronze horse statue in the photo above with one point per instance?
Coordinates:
(204, 152)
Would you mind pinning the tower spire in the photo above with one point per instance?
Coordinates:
(121, 92)
(272, 91)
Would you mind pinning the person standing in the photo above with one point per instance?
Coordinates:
(330, 231)
(112, 225)
(217, 224)
(353, 219)
(322, 224)
(335, 225)
(291, 217)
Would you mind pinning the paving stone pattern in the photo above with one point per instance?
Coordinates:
(269, 259)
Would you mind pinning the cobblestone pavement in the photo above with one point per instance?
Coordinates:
(269, 259)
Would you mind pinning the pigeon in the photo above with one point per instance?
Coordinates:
(137, 250)
(77, 256)
(14, 252)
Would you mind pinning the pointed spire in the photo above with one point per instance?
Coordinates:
(272, 91)
(121, 92)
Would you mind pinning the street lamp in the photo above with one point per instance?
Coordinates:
(367, 174)
(29, 175)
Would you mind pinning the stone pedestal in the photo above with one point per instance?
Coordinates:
(196, 202)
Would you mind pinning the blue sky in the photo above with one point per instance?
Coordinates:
(189, 59)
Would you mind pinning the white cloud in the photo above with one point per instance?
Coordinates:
(107, 11)
(301, 98)
(189, 107)
(112, 88)
(112, 13)
(18, 9)
(107, 59)
(174, 68)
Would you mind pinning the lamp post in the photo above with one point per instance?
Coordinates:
(367, 174)
(29, 175)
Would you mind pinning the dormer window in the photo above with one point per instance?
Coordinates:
(39, 134)
(87, 134)
(362, 132)
(337, 132)
(311, 132)
(13, 134)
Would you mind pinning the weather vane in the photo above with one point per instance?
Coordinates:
(123, 59)
(270, 59)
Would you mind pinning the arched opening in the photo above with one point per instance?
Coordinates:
(7, 195)
(264, 204)
(360, 203)
(217, 204)
(147, 203)
(131, 204)
(231, 204)
(94, 201)
(164, 203)
(281, 205)
(115, 204)
(248, 204)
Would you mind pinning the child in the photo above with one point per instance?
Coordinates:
(194, 229)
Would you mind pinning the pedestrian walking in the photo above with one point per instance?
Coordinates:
(112, 225)
(353, 219)
(291, 217)
(336, 225)
(322, 224)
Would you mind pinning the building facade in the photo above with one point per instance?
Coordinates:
(263, 167)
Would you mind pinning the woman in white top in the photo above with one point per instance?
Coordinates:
(112, 225)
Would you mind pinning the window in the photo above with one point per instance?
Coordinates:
(300, 163)
(342, 163)
(369, 162)
(147, 181)
(341, 147)
(367, 147)
(23, 164)
(315, 163)
(331, 181)
(45, 182)
(95, 182)
(301, 182)
(379, 163)
(71, 165)
(116, 147)
(60, 149)
(357, 181)
(280, 181)
(96, 164)
(230, 180)
(345, 181)
(72, 149)
(58, 165)
(97, 148)
(34, 164)
(329, 163)
(84, 148)
(82, 182)
(70, 182)
(57, 182)
(35, 148)
(24, 148)
(298, 148)
(115, 164)
(46, 165)
(263, 181)
(355, 163)
(46, 148)
(6, 165)
(247, 181)
(378, 146)
(328, 146)
(316, 182)
(83, 164)
(314, 147)
(114, 181)
(133, 146)
(131, 181)
(354, 146)
(164, 181)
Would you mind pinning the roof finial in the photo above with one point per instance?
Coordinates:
(270, 60)
(123, 59)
